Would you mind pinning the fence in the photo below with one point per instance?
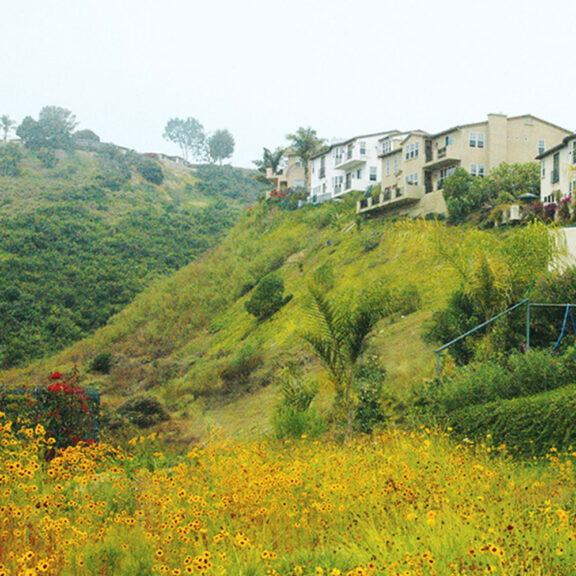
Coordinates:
(526, 302)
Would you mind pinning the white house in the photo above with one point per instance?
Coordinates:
(558, 170)
(346, 166)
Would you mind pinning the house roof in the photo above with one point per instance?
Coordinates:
(557, 147)
(460, 126)
(422, 133)
(344, 142)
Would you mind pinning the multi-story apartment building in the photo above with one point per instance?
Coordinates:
(558, 171)
(346, 166)
(291, 175)
(415, 169)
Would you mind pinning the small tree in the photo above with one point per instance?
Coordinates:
(220, 146)
(6, 124)
(338, 334)
(305, 143)
(267, 298)
(189, 135)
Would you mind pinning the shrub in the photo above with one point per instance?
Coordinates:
(144, 411)
(102, 362)
(237, 374)
(288, 422)
(293, 416)
(67, 411)
(150, 170)
(533, 425)
(10, 160)
(459, 316)
(267, 298)
(522, 374)
(369, 409)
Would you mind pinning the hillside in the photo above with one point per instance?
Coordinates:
(82, 233)
(189, 339)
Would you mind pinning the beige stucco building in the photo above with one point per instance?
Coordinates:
(414, 168)
(292, 175)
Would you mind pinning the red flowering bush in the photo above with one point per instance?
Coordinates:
(67, 411)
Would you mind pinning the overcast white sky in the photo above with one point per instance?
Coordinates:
(262, 68)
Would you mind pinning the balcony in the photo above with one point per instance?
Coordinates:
(390, 199)
(442, 160)
(351, 161)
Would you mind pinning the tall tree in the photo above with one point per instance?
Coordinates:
(189, 135)
(305, 143)
(6, 123)
(53, 129)
(220, 146)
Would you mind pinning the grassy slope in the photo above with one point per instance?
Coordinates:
(80, 240)
(180, 334)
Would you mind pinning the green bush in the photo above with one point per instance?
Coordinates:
(144, 411)
(150, 170)
(289, 422)
(531, 425)
(369, 410)
(522, 374)
(236, 375)
(10, 160)
(102, 362)
(267, 298)
(293, 416)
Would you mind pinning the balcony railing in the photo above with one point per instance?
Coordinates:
(442, 152)
(389, 198)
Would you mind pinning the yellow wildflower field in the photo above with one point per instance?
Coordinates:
(400, 503)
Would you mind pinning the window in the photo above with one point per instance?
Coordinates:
(543, 170)
(572, 187)
(396, 161)
(373, 173)
(359, 174)
(387, 166)
(476, 140)
(556, 168)
(449, 140)
(541, 146)
(412, 179)
(444, 173)
(477, 170)
(573, 152)
(412, 150)
(362, 148)
(386, 146)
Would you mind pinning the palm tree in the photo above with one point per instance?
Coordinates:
(338, 334)
(305, 143)
(6, 124)
(273, 160)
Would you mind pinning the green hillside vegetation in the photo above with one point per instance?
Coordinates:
(84, 231)
(190, 341)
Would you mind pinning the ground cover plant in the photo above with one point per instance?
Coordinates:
(398, 503)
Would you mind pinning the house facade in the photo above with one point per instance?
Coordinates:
(558, 171)
(346, 166)
(415, 171)
(291, 175)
